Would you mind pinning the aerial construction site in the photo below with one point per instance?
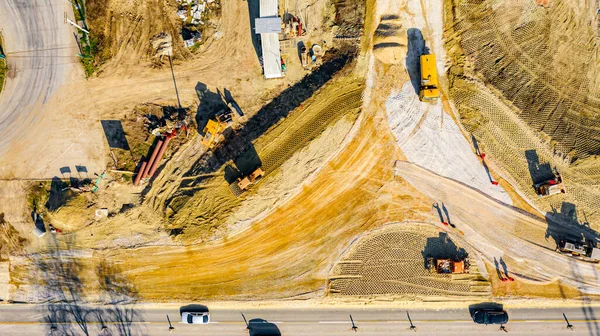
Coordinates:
(278, 154)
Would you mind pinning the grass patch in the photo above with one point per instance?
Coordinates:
(3, 68)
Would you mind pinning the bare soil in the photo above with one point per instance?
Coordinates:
(531, 101)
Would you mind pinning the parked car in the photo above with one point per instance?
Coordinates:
(195, 317)
(489, 316)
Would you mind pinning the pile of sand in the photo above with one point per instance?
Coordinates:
(390, 40)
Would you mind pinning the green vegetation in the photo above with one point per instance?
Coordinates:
(88, 43)
(3, 67)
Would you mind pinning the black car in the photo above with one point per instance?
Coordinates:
(486, 316)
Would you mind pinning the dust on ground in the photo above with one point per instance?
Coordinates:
(391, 262)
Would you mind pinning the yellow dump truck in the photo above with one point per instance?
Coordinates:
(429, 80)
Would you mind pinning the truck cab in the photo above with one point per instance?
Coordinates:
(429, 80)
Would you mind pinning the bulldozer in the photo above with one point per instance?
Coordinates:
(448, 266)
(243, 183)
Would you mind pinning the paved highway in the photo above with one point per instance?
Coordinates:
(136, 320)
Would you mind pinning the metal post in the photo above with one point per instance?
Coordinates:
(412, 326)
(569, 325)
(171, 328)
(354, 327)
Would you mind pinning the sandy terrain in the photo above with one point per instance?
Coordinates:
(532, 101)
(369, 176)
(497, 231)
(355, 192)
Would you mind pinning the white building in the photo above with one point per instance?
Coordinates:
(268, 25)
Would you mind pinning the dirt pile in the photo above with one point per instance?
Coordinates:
(10, 240)
(123, 30)
(349, 18)
(390, 40)
(525, 82)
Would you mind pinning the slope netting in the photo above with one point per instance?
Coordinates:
(532, 101)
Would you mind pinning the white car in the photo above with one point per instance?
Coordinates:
(195, 318)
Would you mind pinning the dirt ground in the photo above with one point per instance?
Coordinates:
(390, 262)
(356, 191)
(331, 177)
(533, 103)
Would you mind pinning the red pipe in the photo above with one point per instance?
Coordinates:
(159, 157)
(152, 157)
(138, 177)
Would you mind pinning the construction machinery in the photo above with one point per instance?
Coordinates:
(550, 187)
(584, 250)
(429, 79)
(254, 177)
(214, 128)
(448, 266)
(243, 183)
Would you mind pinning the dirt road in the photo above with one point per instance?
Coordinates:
(41, 51)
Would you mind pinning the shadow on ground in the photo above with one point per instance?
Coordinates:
(58, 275)
(485, 305)
(416, 48)
(193, 308)
(442, 247)
(539, 172)
(565, 223)
(261, 327)
(269, 115)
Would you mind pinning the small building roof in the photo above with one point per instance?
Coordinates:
(268, 8)
(271, 55)
(267, 25)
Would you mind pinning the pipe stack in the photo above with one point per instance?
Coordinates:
(138, 177)
(161, 152)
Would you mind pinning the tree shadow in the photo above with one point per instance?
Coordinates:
(58, 274)
(565, 224)
(540, 172)
(262, 327)
(442, 247)
(416, 48)
(117, 290)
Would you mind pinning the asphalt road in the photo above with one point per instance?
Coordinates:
(41, 51)
(132, 320)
